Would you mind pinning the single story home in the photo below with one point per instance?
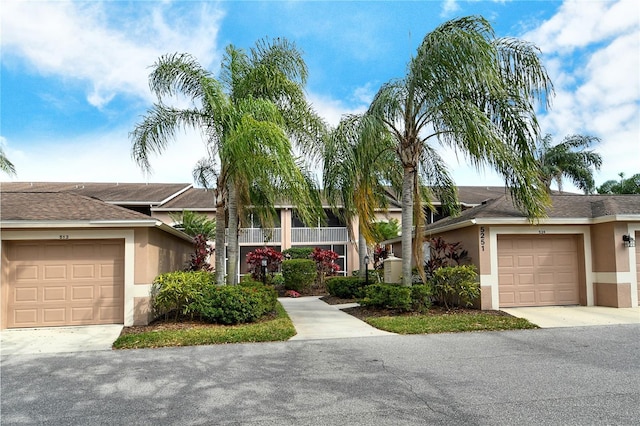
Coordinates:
(69, 259)
(583, 253)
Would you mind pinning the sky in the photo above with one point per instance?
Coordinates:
(74, 75)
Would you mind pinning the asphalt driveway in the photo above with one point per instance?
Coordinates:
(558, 376)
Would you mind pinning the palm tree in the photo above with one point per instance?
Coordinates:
(6, 165)
(623, 186)
(358, 163)
(192, 223)
(569, 159)
(249, 117)
(473, 92)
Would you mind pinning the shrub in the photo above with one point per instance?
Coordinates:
(175, 291)
(235, 304)
(390, 296)
(420, 297)
(200, 257)
(297, 252)
(325, 264)
(298, 273)
(455, 285)
(375, 275)
(442, 253)
(346, 287)
(254, 260)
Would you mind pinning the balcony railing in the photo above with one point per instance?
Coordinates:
(259, 235)
(319, 235)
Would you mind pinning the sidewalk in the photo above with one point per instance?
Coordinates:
(315, 319)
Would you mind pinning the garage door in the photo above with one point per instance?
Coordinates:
(638, 262)
(538, 270)
(55, 283)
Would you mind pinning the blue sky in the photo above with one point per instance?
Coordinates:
(74, 74)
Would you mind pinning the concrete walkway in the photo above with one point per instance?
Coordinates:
(315, 319)
(575, 316)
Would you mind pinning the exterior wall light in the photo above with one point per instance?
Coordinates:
(629, 241)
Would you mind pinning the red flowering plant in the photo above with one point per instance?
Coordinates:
(254, 260)
(291, 293)
(200, 257)
(325, 263)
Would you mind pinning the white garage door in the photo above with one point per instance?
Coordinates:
(56, 283)
(538, 270)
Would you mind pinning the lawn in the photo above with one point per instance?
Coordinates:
(277, 327)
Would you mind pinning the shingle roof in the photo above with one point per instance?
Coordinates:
(565, 206)
(60, 206)
(146, 193)
(192, 199)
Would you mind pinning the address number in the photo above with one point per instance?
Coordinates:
(64, 237)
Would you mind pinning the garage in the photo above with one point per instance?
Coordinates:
(67, 282)
(638, 263)
(538, 270)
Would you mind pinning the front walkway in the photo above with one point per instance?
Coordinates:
(315, 319)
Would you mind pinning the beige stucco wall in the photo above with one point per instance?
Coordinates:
(156, 252)
(611, 265)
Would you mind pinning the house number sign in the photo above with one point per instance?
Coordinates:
(64, 237)
(482, 238)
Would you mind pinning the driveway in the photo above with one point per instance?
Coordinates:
(50, 340)
(575, 316)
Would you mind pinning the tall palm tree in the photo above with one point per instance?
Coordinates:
(473, 92)
(6, 165)
(569, 159)
(249, 115)
(358, 163)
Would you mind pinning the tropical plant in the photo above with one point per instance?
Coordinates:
(273, 261)
(325, 264)
(298, 274)
(248, 116)
(358, 162)
(455, 285)
(5, 165)
(568, 159)
(199, 260)
(192, 223)
(442, 253)
(623, 186)
(472, 92)
(385, 230)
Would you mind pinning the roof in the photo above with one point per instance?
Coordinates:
(61, 206)
(191, 199)
(113, 193)
(565, 206)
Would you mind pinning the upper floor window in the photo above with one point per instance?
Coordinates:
(332, 221)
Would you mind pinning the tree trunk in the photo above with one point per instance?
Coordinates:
(232, 239)
(220, 243)
(407, 223)
(362, 252)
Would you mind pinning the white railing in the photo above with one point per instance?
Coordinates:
(259, 235)
(319, 235)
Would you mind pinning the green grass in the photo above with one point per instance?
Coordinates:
(423, 324)
(277, 329)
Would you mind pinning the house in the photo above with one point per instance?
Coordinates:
(583, 253)
(69, 259)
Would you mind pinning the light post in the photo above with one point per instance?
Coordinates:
(366, 269)
(264, 271)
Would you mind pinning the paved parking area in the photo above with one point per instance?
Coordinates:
(576, 316)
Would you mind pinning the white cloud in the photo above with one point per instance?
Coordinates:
(592, 53)
(332, 110)
(110, 51)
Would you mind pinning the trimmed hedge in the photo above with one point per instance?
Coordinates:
(298, 252)
(236, 304)
(455, 285)
(416, 298)
(194, 293)
(346, 287)
(298, 273)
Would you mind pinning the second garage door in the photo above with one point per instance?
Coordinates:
(538, 270)
(55, 283)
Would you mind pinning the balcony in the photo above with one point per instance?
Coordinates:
(319, 235)
(259, 235)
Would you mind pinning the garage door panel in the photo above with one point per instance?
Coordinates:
(543, 270)
(26, 272)
(54, 294)
(49, 287)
